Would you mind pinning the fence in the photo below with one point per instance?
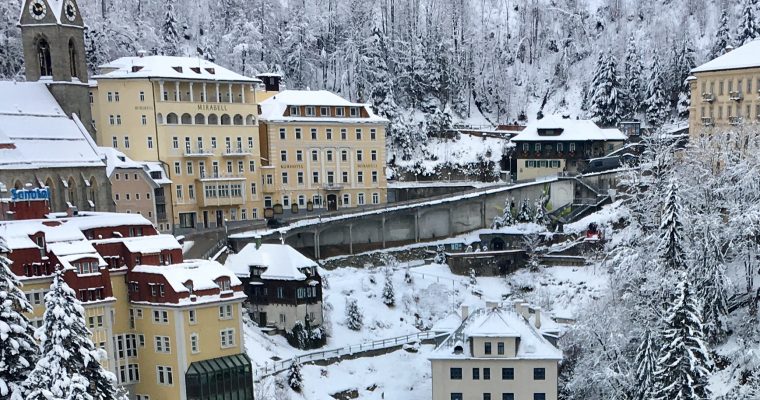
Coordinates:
(282, 365)
(210, 253)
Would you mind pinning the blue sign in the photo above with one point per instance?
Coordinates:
(30, 194)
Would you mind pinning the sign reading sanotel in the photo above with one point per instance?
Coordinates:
(30, 194)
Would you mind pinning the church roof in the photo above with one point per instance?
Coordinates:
(35, 132)
(167, 67)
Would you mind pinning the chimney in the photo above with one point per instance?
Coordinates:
(271, 81)
(141, 53)
(537, 321)
(72, 211)
(729, 48)
(257, 240)
(465, 312)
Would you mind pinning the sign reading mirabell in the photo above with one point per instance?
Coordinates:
(30, 194)
(212, 107)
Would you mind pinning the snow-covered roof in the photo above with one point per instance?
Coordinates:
(448, 323)
(151, 244)
(155, 166)
(747, 56)
(273, 108)
(499, 323)
(167, 67)
(281, 261)
(39, 133)
(576, 130)
(202, 273)
(115, 159)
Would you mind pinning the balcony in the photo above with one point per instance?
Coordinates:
(735, 96)
(236, 152)
(708, 97)
(213, 201)
(160, 199)
(268, 188)
(211, 176)
(331, 186)
(707, 121)
(198, 152)
(735, 120)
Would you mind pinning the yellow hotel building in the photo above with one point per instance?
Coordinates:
(321, 148)
(198, 119)
(725, 92)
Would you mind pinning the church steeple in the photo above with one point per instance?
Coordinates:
(52, 33)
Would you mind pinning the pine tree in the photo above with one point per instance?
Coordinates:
(656, 102)
(78, 388)
(722, 36)
(632, 75)
(440, 255)
(539, 216)
(684, 365)
(169, 31)
(608, 97)
(354, 317)
(524, 215)
(67, 350)
(531, 245)
(645, 362)
(711, 287)
(671, 228)
(748, 29)
(295, 379)
(18, 349)
(389, 297)
(685, 62)
(506, 219)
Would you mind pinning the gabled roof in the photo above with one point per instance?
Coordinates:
(203, 274)
(747, 56)
(281, 261)
(36, 133)
(167, 67)
(273, 108)
(577, 130)
(115, 159)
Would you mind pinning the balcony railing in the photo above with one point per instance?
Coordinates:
(221, 176)
(708, 97)
(236, 152)
(707, 121)
(198, 152)
(735, 120)
(735, 96)
(332, 186)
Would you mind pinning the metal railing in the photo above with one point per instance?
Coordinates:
(274, 367)
(708, 97)
(218, 246)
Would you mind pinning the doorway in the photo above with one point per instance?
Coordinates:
(205, 219)
(219, 218)
(332, 202)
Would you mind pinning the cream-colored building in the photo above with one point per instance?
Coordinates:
(138, 187)
(725, 92)
(318, 147)
(198, 119)
(496, 354)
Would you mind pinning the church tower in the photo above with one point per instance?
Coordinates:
(53, 36)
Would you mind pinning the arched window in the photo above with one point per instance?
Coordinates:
(43, 57)
(187, 119)
(73, 59)
(213, 119)
(200, 119)
(72, 191)
(171, 119)
(225, 119)
(160, 118)
(250, 119)
(237, 119)
(18, 185)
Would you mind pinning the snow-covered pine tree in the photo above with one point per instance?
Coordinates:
(440, 255)
(506, 219)
(684, 364)
(711, 287)
(18, 349)
(78, 388)
(354, 317)
(66, 350)
(608, 96)
(170, 30)
(632, 79)
(539, 214)
(295, 379)
(722, 36)
(685, 63)
(389, 296)
(524, 215)
(645, 362)
(531, 243)
(671, 230)
(656, 103)
(748, 29)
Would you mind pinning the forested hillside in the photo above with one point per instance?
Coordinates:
(424, 63)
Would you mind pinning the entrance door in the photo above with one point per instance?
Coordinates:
(332, 202)
(219, 218)
(262, 319)
(205, 219)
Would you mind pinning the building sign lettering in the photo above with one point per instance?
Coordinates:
(212, 107)
(30, 194)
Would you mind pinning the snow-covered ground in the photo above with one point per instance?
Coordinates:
(433, 294)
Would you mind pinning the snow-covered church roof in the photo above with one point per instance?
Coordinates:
(168, 67)
(35, 132)
(281, 261)
(273, 108)
(567, 130)
(747, 56)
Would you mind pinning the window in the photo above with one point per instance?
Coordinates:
(508, 374)
(110, 97)
(343, 134)
(194, 346)
(284, 178)
(315, 177)
(298, 133)
(572, 147)
(344, 176)
(250, 142)
(339, 111)
(314, 155)
(328, 133)
(227, 338)
(161, 316)
(189, 167)
(329, 155)
(455, 373)
(486, 373)
(253, 188)
(252, 166)
(358, 134)
(539, 374)
(95, 321)
(360, 199)
(354, 111)
(373, 155)
(373, 134)
(486, 396)
(313, 133)
(284, 155)
(310, 111)
(162, 344)
(344, 155)
(539, 396)
(476, 373)
(324, 111)
(299, 155)
(500, 348)
(359, 155)
(126, 142)
(114, 142)
(142, 96)
(179, 192)
(487, 347)
(213, 142)
(129, 373)
(225, 311)
(191, 192)
(360, 177)
(507, 396)
(375, 198)
(144, 120)
(299, 176)
(456, 396)
(116, 96)
(346, 199)
(164, 375)
(374, 176)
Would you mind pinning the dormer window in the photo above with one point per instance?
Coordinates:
(324, 111)
(294, 110)
(189, 286)
(224, 285)
(354, 112)
(210, 71)
(136, 68)
(197, 70)
(339, 112)
(549, 131)
(310, 111)
(178, 69)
